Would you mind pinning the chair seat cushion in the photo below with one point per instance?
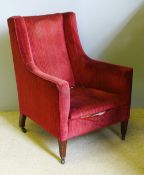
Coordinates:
(87, 102)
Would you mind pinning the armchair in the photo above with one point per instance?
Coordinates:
(59, 86)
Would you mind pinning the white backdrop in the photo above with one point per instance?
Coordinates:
(108, 29)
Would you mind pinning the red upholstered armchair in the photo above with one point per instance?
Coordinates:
(59, 86)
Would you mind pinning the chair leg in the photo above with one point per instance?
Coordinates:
(62, 150)
(22, 119)
(124, 125)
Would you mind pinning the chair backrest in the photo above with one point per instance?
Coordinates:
(47, 45)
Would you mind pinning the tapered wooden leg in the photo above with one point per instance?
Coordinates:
(62, 150)
(22, 119)
(124, 125)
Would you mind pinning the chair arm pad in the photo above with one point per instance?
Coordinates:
(108, 77)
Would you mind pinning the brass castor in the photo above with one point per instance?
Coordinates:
(24, 130)
(123, 137)
(62, 160)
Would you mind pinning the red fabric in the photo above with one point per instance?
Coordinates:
(84, 125)
(86, 101)
(97, 74)
(45, 37)
(42, 97)
(48, 60)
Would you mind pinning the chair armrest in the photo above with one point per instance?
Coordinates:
(108, 77)
(57, 81)
(44, 98)
(58, 91)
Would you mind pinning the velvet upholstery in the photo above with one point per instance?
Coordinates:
(59, 86)
(85, 101)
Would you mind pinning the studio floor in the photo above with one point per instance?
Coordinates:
(99, 153)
